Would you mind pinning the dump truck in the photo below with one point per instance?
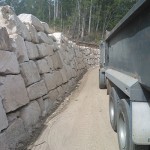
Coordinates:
(125, 72)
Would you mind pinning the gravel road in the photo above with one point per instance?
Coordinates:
(84, 122)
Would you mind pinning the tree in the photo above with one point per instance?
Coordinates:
(80, 19)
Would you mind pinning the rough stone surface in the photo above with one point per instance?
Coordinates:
(49, 62)
(37, 90)
(29, 18)
(58, 78)
(50, 49)
(42, 66)
(64, 75)
(55, 47)
(13, 95)
(53, 95)
(49, 81)
(61, 92)
(41, 104)
(32, 50)
(42, 50)
(44, 38)
(3, 142)
(8, 63)
(65, 87)
(4, 40)
(57, 63)
(33, 33)
(46, 27)
(30, 114)
(52, 37)
(45, 96)
(30, 72)
(48, 105)
(18, 45)
(12, 23)
(3, 117)
(16, 133)
(13, 116)
(58, 37)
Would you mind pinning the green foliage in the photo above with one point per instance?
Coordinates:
(72, 16)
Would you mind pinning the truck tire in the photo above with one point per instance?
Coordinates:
(108, 86)
(124, 128)
(113, 108)
(102, 84)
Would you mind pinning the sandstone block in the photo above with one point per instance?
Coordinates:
(13, 116)
(12, 23)
(61, 91)
(3, 142)
(30, 72)
(15, 133)
(68, 71)
(42, 50)
(52, 37)
(50, 81)
(65, 87)
(50, 49)
(44, 38)
(58, 37)
(29, 18)
(57, 63)
(53, 95)
(45, 97)
(87, 51)
(49, 62)
(55, 47)
(30, 114)
(32, 50)
(8, 63)
(73, 72)
(13, 92)
(48, 105)
(64, 75)
(33, 33)
(4, 40)
(42, 66)
(46, 27)
(3, 117)
(58, 78)
(41, 104)
(18, 45)
(37, 90)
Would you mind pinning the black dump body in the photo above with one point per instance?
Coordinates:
(128, 45)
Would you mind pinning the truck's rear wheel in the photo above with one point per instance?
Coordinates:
(108, 86)
(113, 108)
(124, 128)
(102, 84)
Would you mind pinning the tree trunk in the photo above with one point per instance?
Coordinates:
(57, 5)
(54, 13)
(49, 9)
(79, 14)
(98, 19)
(83, 27)
(90, 17)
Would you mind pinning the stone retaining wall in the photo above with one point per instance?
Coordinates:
(37, 70)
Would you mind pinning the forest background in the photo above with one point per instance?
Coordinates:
(80, 20)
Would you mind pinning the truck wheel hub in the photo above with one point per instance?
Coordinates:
(122, 131)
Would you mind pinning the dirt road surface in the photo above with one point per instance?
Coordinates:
(83, 124)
